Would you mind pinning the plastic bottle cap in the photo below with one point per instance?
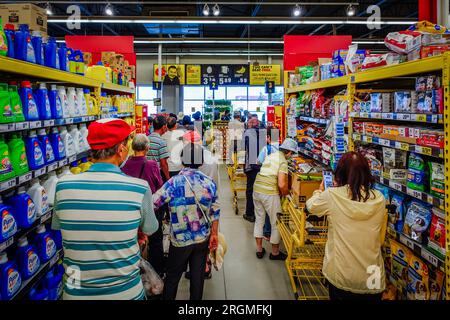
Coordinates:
(40, 228)
(3, 258)
(32, 133)
(55, 130)
(42, 85)
(21, 190)
(74, 164)
(53, 87)
(9, 26)
(84, 160)
(22, 242)
(25, 84)
(42, 132)
(86, 91)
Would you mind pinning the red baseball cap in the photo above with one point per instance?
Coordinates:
(192, 136)
(106, 133)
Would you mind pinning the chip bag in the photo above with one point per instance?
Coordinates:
(437, 179)
(429, 27)
(417, 221)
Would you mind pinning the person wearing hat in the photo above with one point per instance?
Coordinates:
(99, 213)
(271, 183)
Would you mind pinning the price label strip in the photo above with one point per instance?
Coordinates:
(46, 216)
(407, 242)
(376, 115)
(388, 116)
(424, 150)
(404, 117)
(6, 244)
(395, 185)
(430, 257)
(40, 172)
(384, 142)
(8, 184)
(72, 158)
(53, 167)
(26, 177)
(63, 162)
(35, 124)
(7, 127)
(22, 125)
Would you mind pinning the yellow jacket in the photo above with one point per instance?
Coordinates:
(353, 258)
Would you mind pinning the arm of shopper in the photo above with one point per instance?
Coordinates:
(384, 227)
(163, 157)
(262, 155)
(283, 184)
(165, 168)
(319, 203)
(149, 223)
(156, 175)
(162, 196)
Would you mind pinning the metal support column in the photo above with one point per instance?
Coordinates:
(446, 85)
(159, 92)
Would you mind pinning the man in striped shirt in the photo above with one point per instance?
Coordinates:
(158, 147)
(99, 213)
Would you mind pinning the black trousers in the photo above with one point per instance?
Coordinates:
(155, 245)
(173, 173)
(342, 295)
(179, 257)
(250, 207)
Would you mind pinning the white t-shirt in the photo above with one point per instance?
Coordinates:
(210, 166)
(174, 140)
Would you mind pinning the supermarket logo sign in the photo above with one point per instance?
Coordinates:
(73, 21)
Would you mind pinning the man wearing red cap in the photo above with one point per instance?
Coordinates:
(99, 213)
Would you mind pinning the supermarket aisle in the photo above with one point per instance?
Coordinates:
(243, 276)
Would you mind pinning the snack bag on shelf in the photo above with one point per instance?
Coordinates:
(437, 179)
(417, 175)
(394, 162)
(437, 232)
(384, 191)
(426, 83)
(417, 221)
(436, 285)
(403, 41)
(418, 284)
(400, 256)
(429, 27)
(395, 221)
(380, 60)
(430, 138)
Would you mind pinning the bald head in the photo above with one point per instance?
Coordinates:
(140, 143)
(253, 123)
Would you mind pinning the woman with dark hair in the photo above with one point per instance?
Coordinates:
(353, 264)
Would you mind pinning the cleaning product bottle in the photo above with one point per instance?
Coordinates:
(18, 155)
(63, 57)
(62, 94)
(84, 133)
(57, 144)
(6, 169)
(57, 237)
(10, 280)
(74, 168)
(79, 62)
(27, 258)
(45, 244)
(9, 32)
(42, 101)
(69, 144)
(94, 105)
(30, 109)
(46, 146)
(8, 222)
(50, 52)
(16, 104)
(50, 186)
(23, 207)
(36, 41)
(81, 102)
(39, 293)
(87, 98)
(76, 136)
(3, 41)
(6, 112)
(23, 48)
(55, 103)
(52, 281)
(35, 155)
(73, 102)
(39, 196)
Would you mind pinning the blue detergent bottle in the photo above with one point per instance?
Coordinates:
(45, 244)
(8, 222)
(43, 102)
(27, 258)
(52, 282)
(38, 293)
(63, 57)
(35, 154)
(55, 102)
(23, 207)
(57, 144)
(23, 48)
(10, 280)
(29, 106)
(9, 32)
(36, 41)
(46, 146)
(50, 53)
(57, 237)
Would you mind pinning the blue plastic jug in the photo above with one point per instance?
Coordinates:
(23, 48)
(45, 244)
(55, 103)
(38, 293)
(63, 57)
(50, 53)
(43, 102)
(36, 41)
(9, 32)
(10, 280)
(23, 208)
(52, 282)
(60, 271)
(46, 146)
(27, 258)
(8, 222)
(57, 237)
(58, 145)
(29, 106)
(35, 154)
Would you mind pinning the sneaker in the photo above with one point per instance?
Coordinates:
(261, 254)
(249, 218)
(280, 256)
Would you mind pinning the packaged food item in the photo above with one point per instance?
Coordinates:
(430, 138)
(394, 163)
(425, 83)
(405, 101)
(395, 220)
(416, 172)
(380, 60)
(403, 41)
(400, 256)
(418, 284)
(429, 27)
(417, 221)
(383, 189)
(437, 179)
(436, 285)
(376, 102)
(398, 101)
(431, 51)
(429, 39)
(437, 231)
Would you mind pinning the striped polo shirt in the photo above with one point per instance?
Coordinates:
(158, 148)
(266, 181)
(99, 213)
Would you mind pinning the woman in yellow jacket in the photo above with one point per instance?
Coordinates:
(353, 263)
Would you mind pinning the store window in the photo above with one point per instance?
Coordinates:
(145, 95)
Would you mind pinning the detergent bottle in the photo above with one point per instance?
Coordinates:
(6, 168)
(46, 146)
(50, 186)
(79, 62)
(35, 155)
(73, 102)
(82, 102)
(30, 109)
(6, 112)
(18, 155)
(63, 57)
(76, 136)
(9, 33)
(52, 282)
(57, 144)
(55, 103)
(24, 208)
(36, 41)
(8, 222)
(42, 101)
(23, 48)
(50, 50)
(87, 98)
(62, 94)
(85, 164)
(69, 144)
(84, 133)
(16, 104)
(3, 41)
(93, 105)
(10, 280)
(45, 244)
(74, 168)
(39, 196)
(27, 258)
(39, 293)
(57, 237)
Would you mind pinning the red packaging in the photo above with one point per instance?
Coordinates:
(431, 139)
(437, 232)
(430, 51)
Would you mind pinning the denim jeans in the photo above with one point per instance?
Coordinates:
(267, 227)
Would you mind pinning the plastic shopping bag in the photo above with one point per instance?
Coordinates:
(152, 282)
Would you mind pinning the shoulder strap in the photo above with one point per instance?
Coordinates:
(197, 202)
(142, 168)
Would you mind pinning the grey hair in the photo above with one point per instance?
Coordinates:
(140, 142)
(107, 153)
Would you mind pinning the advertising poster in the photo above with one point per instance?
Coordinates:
(259, 74)
(172, 74)
(193, 74)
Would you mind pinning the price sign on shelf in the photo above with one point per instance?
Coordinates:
(364, 115)
(414, 193)
(63, 162)
(7, 127)
(40, 172)
(388, 116)
(368, 139)
(395, 185)
(26, 177)
(22, 125)
(434, 118)
(354, 114)
(55, 259)
(69, 121)
(384, 142)
(421, 118)
(72, 158)
(49, 123)
(403, 117)
(6, 244)
(402, 146)
(376, 115)
(430, 257)
(8, 184)
(407, 242)
(46, 216)
(35, 124)
(424, 150)
(53, 167)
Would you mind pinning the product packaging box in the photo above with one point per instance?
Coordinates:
(430, 51)
(107, 56)
(87, 57)
(24, 13)
(302, 190)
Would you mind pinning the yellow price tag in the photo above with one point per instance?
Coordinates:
(357, 137)
(404, 146)
(368, 139)
(421, 118)
(427, 151)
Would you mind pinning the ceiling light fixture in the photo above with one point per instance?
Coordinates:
(48, 9)
(297, 11)
(351, 11)
(206, 10)
(216, 10)
(109, 9)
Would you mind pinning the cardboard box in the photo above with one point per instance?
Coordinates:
(302, 190)
(107, 56)
(30, 14)
(87, 57)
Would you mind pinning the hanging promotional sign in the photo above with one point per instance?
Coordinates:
(229, 74)
(193, 74)
(261, 73)
(172, 74)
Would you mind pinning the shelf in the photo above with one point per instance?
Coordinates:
(428, 151)
(314, 156)
(411, 117)
(120, 115)
(400, 187)
(329, 83)
(30, 125)
(17, 181)
(315, 120)
(117, 88)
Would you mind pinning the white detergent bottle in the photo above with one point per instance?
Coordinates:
(65, 171)
(84, 133)
(82, 102)
(39, 197)
(62, 94)
(73, 102)
(76, 136)
(68, 142)
(50, 186)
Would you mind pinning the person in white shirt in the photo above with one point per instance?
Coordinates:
(174, 140)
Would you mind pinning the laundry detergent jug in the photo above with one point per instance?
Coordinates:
(82, 102)
(62, 94)
(39, 293)
(76, 136)
(84, 134)
(72, 98)
(35, 154)
(16, 104)
(43, 102)
(6, 168)
(58, 145)
(23, 48)
(50, 50)
(27, 258)
(30, 109)
(24, 208)
(36, 41)
(39, 197)
(7, 221)
(18, 155)
(63, 57)
(46, 146)
(45, 244)
(69, 144)
(6, 111)
(50, 187)
(9, 33)
(10, 280)
(52, 282)
(55, 103)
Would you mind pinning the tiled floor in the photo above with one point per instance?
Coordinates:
(243, 276)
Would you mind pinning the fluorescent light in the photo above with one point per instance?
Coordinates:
(367, 42)
(48, 9)
(351, 11)
(297, 11)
